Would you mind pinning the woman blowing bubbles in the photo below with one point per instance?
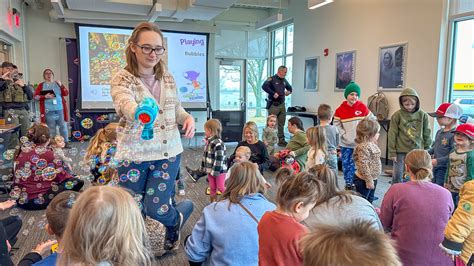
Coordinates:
(149, 167)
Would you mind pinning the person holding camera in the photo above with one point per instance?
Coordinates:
(15, 97)
(53, 108)
(277, 88)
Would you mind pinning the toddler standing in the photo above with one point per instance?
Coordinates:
(461, 161)
(447, 115)
(214, 161)
(270, 134)
(367, 158)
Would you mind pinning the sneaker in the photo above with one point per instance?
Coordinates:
(282, 143)
(208, 191)
(173, 234)
(349, 187)
(219, 193)
(193, 174)
(181, 192)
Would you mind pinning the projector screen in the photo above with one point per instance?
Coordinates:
(102, 54)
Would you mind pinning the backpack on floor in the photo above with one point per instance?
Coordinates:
(378, 105)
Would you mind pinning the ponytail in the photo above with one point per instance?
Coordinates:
(419, 163)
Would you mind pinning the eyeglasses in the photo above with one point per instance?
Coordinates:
(148, 50)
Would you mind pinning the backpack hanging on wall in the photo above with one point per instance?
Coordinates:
(378, 105)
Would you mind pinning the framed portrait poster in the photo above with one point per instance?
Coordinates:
(392, 67)
(345, 69)
(311, 74)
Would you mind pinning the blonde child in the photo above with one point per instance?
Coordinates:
(214, 160)
(57, 215)
(57, 144)
(90, 238)
(242, 154)
(100, 152)
(279, 231)
(348, 243)
(270, 134)
(367, 158)
(332, 135)
(317, 154)
(409, 130)
(447, 115)
(459, 233)
(461, 161)
(346, 118)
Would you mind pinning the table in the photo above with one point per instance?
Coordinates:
(311, 115)
(8, 127)
(385, 124)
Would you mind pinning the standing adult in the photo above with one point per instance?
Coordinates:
(50, 93)
(149, 167)
(277, 88)
(15, 97)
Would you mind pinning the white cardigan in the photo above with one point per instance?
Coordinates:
(127, 92)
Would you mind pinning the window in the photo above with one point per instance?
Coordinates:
(461, 83)
(282, 53)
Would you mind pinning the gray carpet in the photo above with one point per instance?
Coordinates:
(33, 231)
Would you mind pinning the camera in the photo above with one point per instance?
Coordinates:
(17, 76)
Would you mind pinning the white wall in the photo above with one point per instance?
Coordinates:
(364, 26)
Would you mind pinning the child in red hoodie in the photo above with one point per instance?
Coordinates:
(346, 118)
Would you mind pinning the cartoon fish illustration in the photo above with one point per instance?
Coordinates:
(191, 75)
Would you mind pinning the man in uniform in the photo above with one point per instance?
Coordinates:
(15, 97)
(277, 88)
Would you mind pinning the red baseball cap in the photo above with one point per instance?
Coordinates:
(450, 110)
(467, 129)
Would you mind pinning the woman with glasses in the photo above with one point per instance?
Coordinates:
(148, 166)
(53, 108)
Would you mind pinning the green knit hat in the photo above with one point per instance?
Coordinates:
(351, 87)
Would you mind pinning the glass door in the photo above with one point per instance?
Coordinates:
(256, 76)
(231, 85)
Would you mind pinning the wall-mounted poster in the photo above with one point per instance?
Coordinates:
(311, 74)
(345, 69)
(392, 62)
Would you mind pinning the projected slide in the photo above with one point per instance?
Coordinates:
(102, 54)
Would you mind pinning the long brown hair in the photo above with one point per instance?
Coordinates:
(245, 179)
(329, 189)
(105, 225)
(317, 140)
(103, 135)
(132, 64)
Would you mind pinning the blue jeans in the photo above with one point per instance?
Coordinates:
(348, 166)
(154, 183)
(455, 196)
(439, 174)
(56, 119)
(366, 193)
(399, 168)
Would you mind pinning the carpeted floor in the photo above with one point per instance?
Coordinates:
(34, 222)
